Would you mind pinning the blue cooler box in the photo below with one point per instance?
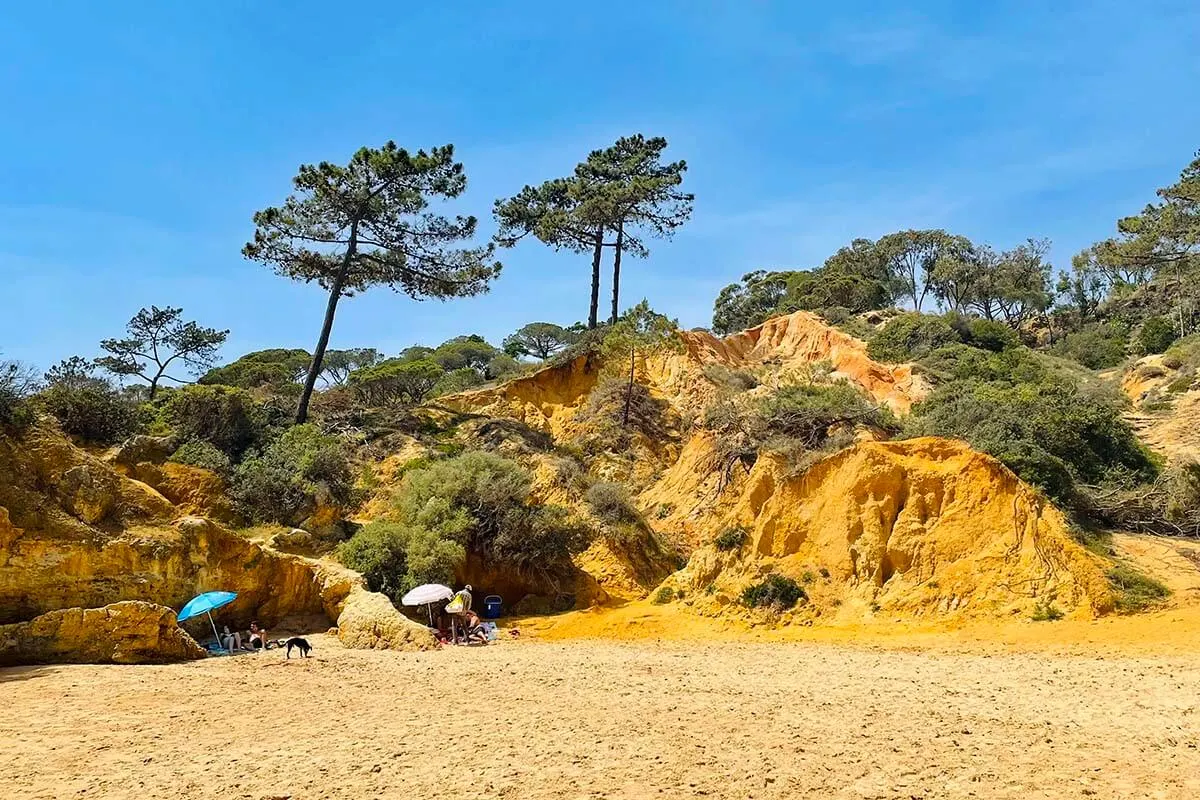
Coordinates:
(491, 606)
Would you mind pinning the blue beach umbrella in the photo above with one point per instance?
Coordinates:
(206, 604)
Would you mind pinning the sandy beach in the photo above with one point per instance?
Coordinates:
(609, 719)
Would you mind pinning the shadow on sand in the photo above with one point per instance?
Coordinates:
(11, 674)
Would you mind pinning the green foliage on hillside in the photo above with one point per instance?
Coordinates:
(229, 419)
(203, 454)
(285, 481)
(88, 406)
(777, 592)
(17, 385)
(273, 368)
(1047, 426)
(801, 421)
(476, 503)
(1096, 346)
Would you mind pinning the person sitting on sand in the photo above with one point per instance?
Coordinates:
(258, 637)
(474, 628)
(231, 640)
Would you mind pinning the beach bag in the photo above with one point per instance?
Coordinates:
(455, 606)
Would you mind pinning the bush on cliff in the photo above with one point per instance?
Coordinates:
(229, 419)
(1098, 346)
(1050, 428)
(799, 420)
(475, 503)
(16, 385)
(285, 482)
(204, 455)
(87, 406)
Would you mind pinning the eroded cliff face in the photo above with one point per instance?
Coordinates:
(1166, 407)
(919, 528)
(548, 399)
(783, 344)
(76, 534)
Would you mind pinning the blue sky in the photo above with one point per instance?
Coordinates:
(139, 138)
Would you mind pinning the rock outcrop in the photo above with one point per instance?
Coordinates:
(75, 534)
(549, 398)
(369, 621)
(914, 529)
(121, 633)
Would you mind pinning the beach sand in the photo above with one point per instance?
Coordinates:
(593, 718)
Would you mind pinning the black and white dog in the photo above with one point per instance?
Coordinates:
(300, 644)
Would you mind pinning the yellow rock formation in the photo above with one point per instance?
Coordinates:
(121, 633)
(1173, 428)
(76, 534)
(549, 398)
(918, 528)
(791, 342)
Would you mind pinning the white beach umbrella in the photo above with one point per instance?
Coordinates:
(426, 595)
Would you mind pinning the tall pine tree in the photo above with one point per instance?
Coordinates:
(368, 224)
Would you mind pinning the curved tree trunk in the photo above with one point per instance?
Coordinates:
(335, 293)
(597, 250)
(616, 292)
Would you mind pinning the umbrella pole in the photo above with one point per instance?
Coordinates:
(214, 626)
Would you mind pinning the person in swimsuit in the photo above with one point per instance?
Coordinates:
(258, 637)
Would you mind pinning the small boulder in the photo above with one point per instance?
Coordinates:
(89, 492)
(369, 621)
(144, 449)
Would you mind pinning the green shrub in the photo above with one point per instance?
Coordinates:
(1183, 353)
(835, 315)
(569, 473)
(1047, 427)
(95, 413)
(284, 483)
(17, 383)
(777, 591)
(479, 501)
(910, 336)
(1157, 334)
(1096, 347)
(380, 551)
(202, 454)
(664, 595)
(1046, 611)
(737, 380)
(611, 503)
(616, 410)
(227, 418)
(988, 334)
(457, 380)
(1135, 591)
(86, 406)
(731, 539)
(1181, 383)
(807, 412)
